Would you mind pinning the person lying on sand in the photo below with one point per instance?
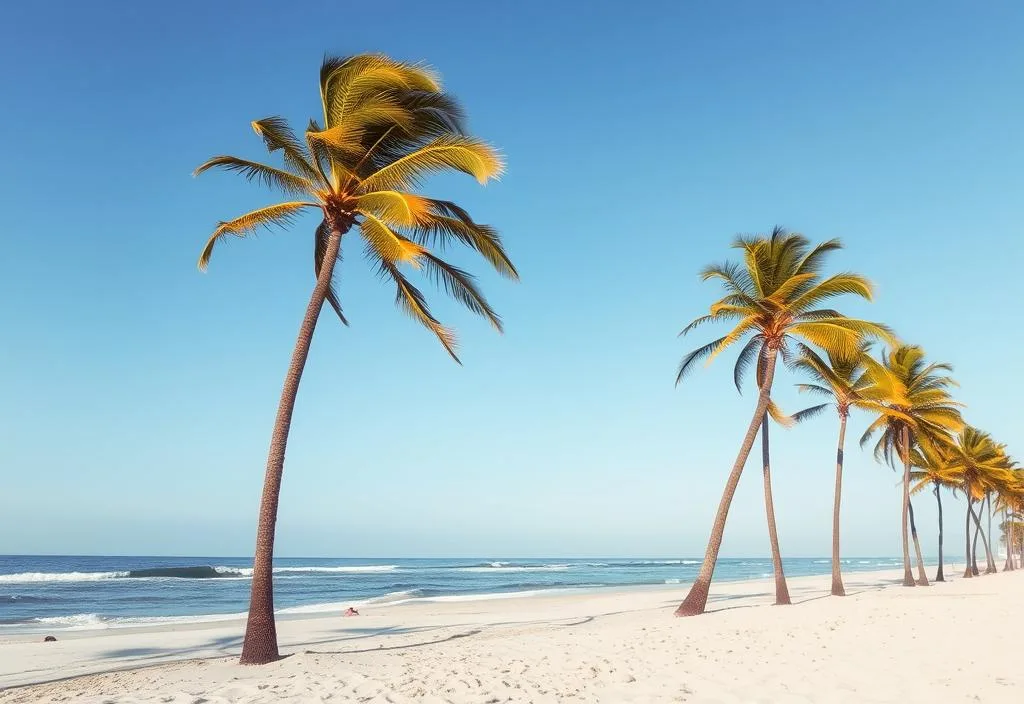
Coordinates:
(350, 612)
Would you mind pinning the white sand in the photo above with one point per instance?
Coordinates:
(953, 642)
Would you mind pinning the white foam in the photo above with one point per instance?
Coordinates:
(25, 577)
(247, 571)
(673, 581)
(389, 599)
(498, 595)
(515, 568)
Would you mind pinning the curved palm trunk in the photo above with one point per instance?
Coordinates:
(837, 576)
(908, 574)
(697, 598)
(939, 577)
(974, 546)
(781, 590)
(922, 578)
(990, 563)
(260, 644)
(968, 572)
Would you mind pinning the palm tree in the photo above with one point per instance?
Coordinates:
(976, 465)
(841, 379)
(1011, 502)
(913, 407)
(929, 474)
(386, 126)
(772, 298)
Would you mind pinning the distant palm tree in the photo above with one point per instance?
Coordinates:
(774, 297)
(928, 474)
(977, 465)
(841, 379)
(913, 406)
(386, 125)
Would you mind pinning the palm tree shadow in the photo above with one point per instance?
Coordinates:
(381, 648)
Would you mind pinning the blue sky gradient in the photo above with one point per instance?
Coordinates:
(137, 395)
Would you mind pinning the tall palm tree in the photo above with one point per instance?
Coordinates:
(1011, 502)
(913, 406)
(386, 126)
(772, 298)
(840, 379)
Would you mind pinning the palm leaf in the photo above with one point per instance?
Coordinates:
(260, 173)
(280, 215)
(466, 154)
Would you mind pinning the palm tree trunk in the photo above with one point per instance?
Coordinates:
(939, 576)
(908, 574)
(837, 575)
(968, 572)
(697, 598)
(1008, 532)
(974, 546)
(922, 578)
(990, 563)
(260, 644)
(781, 590)
(989, 537)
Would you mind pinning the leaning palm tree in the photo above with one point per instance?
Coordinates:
(386, 126)
(772, 299)
(840, 379)
(913, 406)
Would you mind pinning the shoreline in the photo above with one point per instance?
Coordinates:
(90, 621)
(28, 667)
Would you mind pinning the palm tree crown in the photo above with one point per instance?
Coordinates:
(775, 296)
(911, 395)
(386, 126)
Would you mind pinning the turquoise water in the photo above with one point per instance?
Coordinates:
(48, 592)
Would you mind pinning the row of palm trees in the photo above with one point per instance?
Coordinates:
(776, 302)
(387, 125)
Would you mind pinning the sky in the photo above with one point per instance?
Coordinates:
(137, 395)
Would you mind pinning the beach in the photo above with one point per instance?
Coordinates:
(951, 642)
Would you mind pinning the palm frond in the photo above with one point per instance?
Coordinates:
(388, 244)
(260, 173)
(280, 215)
(319, 251)
(278, 135)
(409, 299)
(466, 154)
(460, 285)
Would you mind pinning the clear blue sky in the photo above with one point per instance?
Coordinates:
(137, 395)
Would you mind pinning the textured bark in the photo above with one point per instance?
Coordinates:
(908, 574)
(781, 590)
(260, 644)
(968, 572)
(939, 577)
(922, 578)
(697, 598)
(837, 575)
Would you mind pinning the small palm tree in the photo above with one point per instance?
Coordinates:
(913, 406)
(976, 464)
(386, 126)
(928, 474)
(772, 299)
(840, 379)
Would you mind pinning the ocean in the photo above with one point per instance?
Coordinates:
(51, 593)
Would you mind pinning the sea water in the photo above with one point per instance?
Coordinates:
(51, 593)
